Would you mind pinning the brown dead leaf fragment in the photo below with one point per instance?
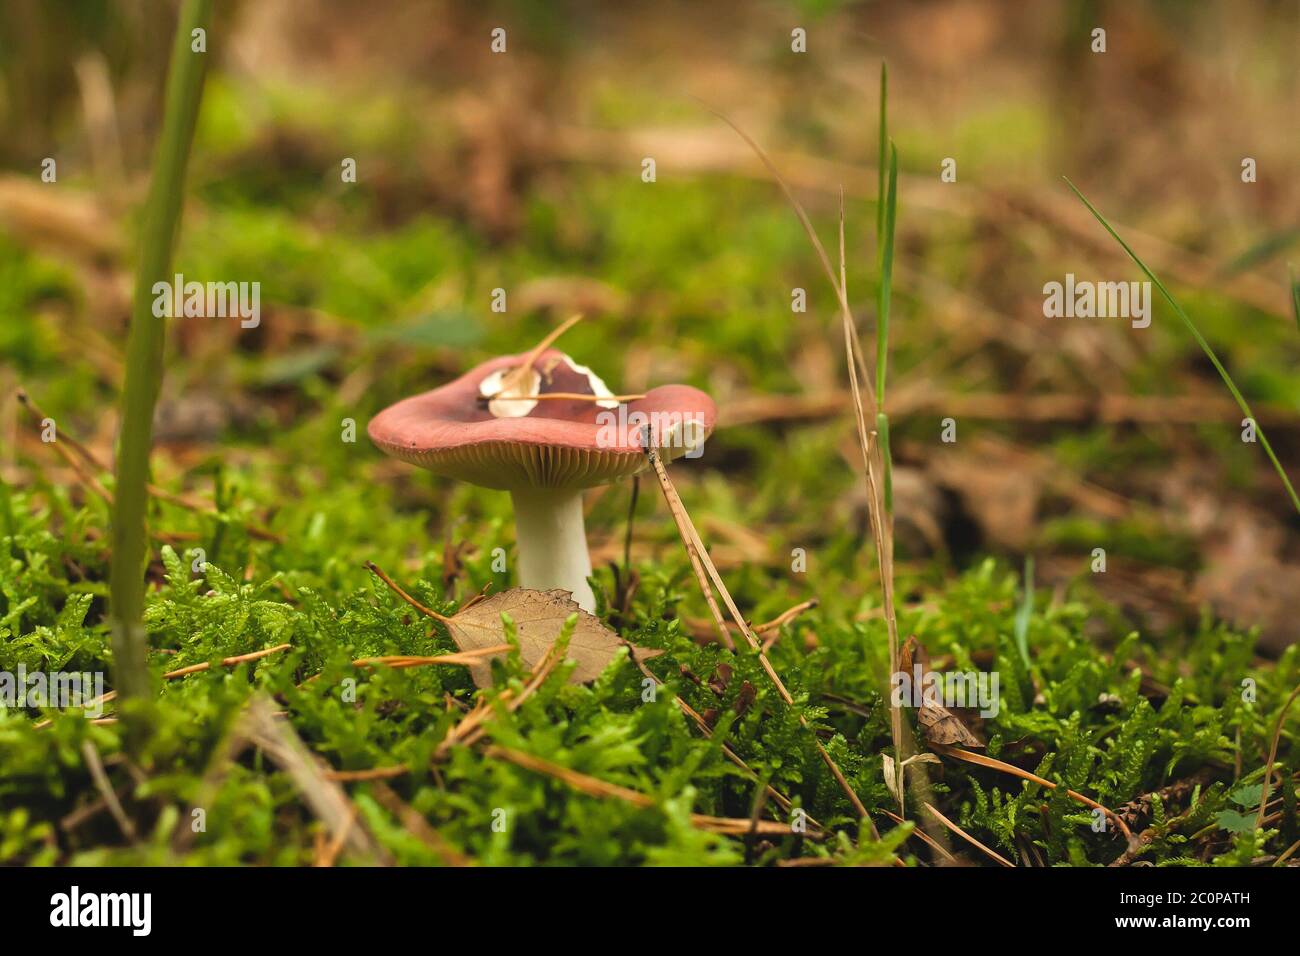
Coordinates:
(539, 617)
(939, 724)
(942, 726)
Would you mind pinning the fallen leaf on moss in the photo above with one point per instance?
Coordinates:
(939, 724)
(539, 617)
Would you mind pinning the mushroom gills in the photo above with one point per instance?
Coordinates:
(552, 540)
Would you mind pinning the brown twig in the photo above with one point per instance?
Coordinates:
(785, 617)
(968, 838)
(90, 458)
(595, 787)
(863, 403)
(518, 375)
(96, 768)
(278, 740)
(548, 341)
(679, 517)
(1142, 840)
(398, 662)
(699, 627)
(39, 417)
(415, 822)
(1272, 755)
(995, 764)
(786, 804)
(541, 670)
(584, 783)
(559, 396)
(428, 612)
(330, 852)
(930, 841)
(691, 539)
(182, 672)
(368, 774)
(80, 815)
(1140, 806)
(1287, 853)
(226, 662)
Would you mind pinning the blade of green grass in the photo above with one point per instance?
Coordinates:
(873, 468)
(886, 200)
(886, 277)
(144, 355)
(1025, 611)
(1201, 341)
(890, 207)
(880, 165)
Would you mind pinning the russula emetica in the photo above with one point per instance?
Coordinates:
(494, 427)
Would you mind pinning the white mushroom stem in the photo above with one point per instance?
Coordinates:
(553, 542)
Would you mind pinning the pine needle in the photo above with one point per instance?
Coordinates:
(968, 838)
(995, 764)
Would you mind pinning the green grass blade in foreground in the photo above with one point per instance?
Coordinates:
(1200, 340)
(144, 354)
(1025, 611)
(884, 151)
(890, 206)
(886, 278)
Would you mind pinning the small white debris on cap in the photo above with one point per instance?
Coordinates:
(509, 407)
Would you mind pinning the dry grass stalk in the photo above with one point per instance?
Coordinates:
(968, 838)
(772, 628)
(427, 612)
(691, 538)
(226, 662)
(928, 840)
(786, 804)
(183, 672)
(562, 396)
(864, 409)
(90, 458)
(398, 662)
(105, 788)
(1272, 756)
(415, 822)
(329, 853)
(326, 799)
(996, 764)
(595, 787)
(368, 774)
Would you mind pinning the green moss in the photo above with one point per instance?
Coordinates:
(321, 601)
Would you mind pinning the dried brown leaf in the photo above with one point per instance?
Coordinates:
(942, 726)
(939, 724)
(539, 617)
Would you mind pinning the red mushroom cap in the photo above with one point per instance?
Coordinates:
(559, 444)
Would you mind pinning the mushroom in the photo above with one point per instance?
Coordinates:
(543, 428)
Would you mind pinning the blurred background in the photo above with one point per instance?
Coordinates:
(523, 171)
